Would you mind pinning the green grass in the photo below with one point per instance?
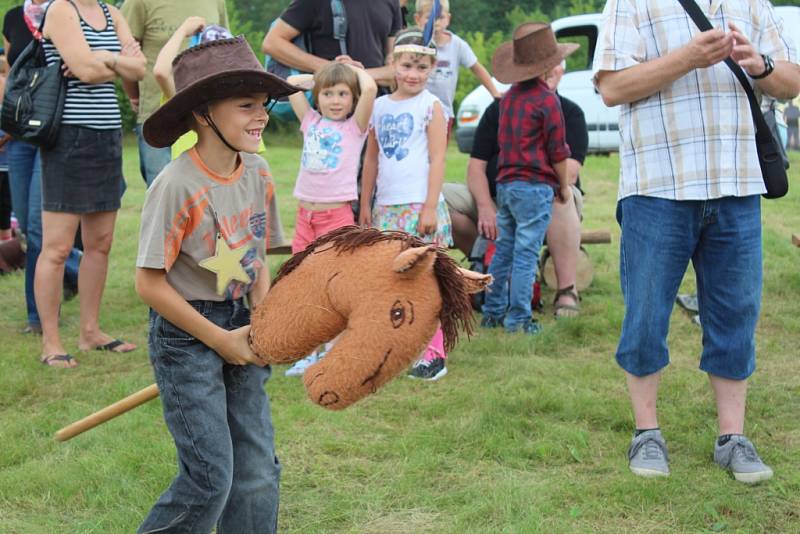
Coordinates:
(522, 436)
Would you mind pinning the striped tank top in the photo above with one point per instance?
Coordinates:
(92, 105)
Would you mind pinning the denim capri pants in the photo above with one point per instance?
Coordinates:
(722, 238)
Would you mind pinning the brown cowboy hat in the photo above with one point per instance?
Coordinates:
(532, 52)
(210, 71)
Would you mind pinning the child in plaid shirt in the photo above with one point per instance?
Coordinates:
(531, 171)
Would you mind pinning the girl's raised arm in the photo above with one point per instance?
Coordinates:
(298, 100)
(369, 90)
(162, 69)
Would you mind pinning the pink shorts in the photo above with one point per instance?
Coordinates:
(311, 224)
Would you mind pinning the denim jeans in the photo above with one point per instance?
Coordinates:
(523, 214)
(151, 159)
(25, 178)
(722, 238)
(219, 417)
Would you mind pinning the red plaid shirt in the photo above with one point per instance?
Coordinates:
(531, 135)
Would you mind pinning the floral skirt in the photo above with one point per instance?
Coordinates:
(406, 216)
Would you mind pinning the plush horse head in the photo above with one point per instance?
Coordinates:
(384, 292)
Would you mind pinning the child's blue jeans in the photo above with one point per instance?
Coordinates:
(523, 214)
(219, 417)
(722, 238)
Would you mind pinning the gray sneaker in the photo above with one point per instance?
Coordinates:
(740, 457)
(647, 455)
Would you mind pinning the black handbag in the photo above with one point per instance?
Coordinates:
(773, 166)
(34, 97)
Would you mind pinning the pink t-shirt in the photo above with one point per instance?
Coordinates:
(331, 154)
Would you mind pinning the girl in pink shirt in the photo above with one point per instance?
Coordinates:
(333, 138)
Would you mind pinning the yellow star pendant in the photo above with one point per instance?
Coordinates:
(227, 264)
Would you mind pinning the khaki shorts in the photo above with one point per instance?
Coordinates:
(459, 199)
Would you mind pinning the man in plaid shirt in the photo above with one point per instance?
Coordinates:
(531, 166)
(689, 190)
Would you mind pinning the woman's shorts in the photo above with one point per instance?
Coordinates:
(82, 171)
(406, 216)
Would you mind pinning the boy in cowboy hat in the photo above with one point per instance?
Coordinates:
(201, 253)
(531, 167)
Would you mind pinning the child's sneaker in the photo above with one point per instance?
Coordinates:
(488, 321)
(531, 327)
(647, 455)
(429, 369)
(739, 456)
(300, 366)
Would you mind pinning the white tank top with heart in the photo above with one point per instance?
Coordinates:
(400, 127)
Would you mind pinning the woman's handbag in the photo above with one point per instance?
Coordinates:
(772, 163)
(34, 97)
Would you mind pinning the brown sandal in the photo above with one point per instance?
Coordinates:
(566, 310)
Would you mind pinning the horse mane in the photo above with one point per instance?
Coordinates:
(456, 313)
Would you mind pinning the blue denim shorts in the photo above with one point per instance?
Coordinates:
(722, 238)
(219, 416)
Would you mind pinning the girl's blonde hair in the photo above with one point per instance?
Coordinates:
(426, 6)
(332, 74)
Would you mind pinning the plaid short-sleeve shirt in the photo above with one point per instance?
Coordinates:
(694, 139)
(531, 134)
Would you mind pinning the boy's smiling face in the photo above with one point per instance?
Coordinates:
(241, 120)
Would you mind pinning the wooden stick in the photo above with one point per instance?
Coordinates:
(595, 237)
(796, 239)
(109, 412)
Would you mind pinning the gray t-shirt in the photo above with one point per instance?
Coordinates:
(444, 77)
(185, 209)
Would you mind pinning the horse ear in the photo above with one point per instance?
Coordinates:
(415, 260)
(475, 282)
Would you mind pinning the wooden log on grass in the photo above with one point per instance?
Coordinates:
(595, 237)
(109, 412)
(796, 239)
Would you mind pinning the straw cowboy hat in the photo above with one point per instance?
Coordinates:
(532, 52)
(210, 71)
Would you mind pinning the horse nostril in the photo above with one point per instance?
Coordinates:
(328, 398)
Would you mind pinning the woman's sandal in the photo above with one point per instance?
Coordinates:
(55, 360)
(566, 310)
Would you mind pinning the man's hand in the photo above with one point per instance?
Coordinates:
(234, 348)
(487, 221)
(347, 60)
(709, 48)
(564, 194)
(744, 53)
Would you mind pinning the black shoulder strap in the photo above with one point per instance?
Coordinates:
(702, 22)
(339, 24)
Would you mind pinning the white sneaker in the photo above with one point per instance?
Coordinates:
(300, 366)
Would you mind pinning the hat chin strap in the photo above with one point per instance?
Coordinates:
(213, 126)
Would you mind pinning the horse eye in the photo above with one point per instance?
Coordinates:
(397, 314)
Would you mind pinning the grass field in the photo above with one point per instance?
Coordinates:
(524, 435)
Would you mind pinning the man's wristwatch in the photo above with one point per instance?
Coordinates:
(769, 66)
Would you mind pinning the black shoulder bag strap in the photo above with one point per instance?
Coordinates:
(339, 24)
(764, 139)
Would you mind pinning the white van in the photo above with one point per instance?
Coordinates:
(601, 121)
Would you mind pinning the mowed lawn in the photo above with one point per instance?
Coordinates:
(523, 435)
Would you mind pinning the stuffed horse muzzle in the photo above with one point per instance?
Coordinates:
(381, 295)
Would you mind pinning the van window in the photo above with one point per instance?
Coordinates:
(586, 36)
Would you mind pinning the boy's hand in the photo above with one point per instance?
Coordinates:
(192, 25)
(565, 194)
(426, 225)
(234, 348)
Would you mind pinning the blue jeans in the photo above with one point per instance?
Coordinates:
(523, 214)
(151, 159)
(722, 238)
(219, 416)
(25, 179)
